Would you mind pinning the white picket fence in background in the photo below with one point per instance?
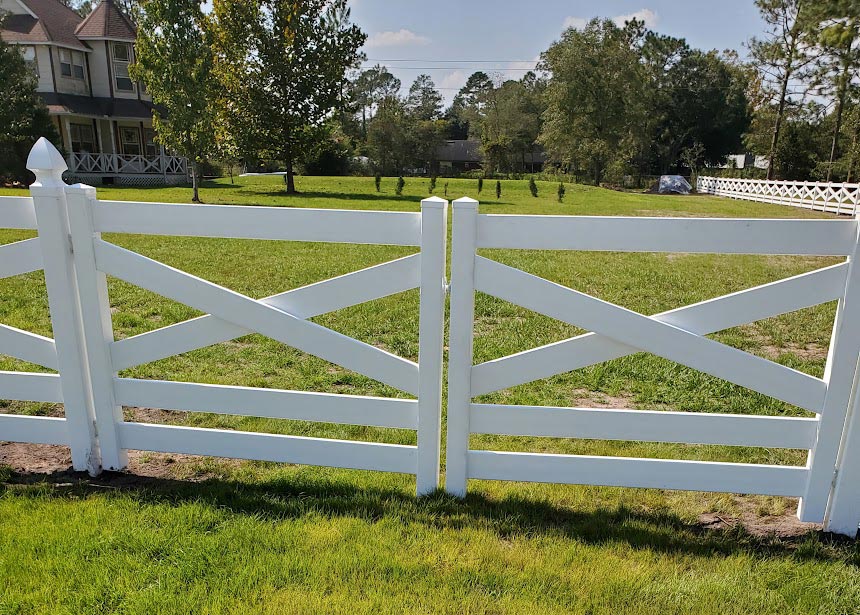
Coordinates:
(87, 359)
(678, 335)
(819, 196)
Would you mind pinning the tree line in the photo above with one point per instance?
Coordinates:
(280, 83)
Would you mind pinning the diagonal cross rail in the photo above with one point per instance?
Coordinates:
(306, 302)
(648, 334)
(256, 316)
(750, 305)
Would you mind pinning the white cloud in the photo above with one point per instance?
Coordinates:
(391, 39)
(452, 81)
(575, 22)
(647, 15)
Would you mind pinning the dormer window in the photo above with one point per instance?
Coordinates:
(71, 64)
(121, 60)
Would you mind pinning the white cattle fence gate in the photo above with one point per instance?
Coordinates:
(678, 335)
(820, 196)
(70, 221)
(86, 358)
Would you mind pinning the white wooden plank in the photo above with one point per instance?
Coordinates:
(431, 334)
(644, 425)
(33, 429)
(270, 403)
(20, 257)
(635, 472)
(305, 302)
(267, 320)
(784, 296)
(650, 335)
(691, 235)
(460, 343)
(17, 212)
(269, 447)
(275, 223)
(28, 346)
(27, 386)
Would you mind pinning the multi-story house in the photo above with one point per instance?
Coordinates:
(103, 116)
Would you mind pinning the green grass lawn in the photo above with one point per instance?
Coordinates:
(228, 537)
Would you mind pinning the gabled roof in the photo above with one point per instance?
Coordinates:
(56, 23)
(106, 21)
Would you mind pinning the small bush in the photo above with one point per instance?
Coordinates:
(377, 179)
(498, 190)
(533, 187)
(561, 191)
(446, 188)
(432, 184)
(480, 184)
(400, 184)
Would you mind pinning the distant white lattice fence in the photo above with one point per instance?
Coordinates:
(820, 196)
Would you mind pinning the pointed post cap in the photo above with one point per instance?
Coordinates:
(434, 202)
(465, 203)
(46, 162)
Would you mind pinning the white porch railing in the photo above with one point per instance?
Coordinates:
(820, 196)
(120, 164)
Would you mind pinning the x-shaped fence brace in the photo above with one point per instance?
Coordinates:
(677, 335)
(281, 317)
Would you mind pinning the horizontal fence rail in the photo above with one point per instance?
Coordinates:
(678, 335)
(819, 196)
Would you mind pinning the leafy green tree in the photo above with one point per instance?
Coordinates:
(371, 87)
(377, 181)
(533, 187)
(480, 184)
(401, 183)
(836, 23)
(782, 56)
(23, 115)
(466, 109)
(596, 97)
(174, 59)
(424, 101)
(282, 64)
(389, 142)
(561, 192)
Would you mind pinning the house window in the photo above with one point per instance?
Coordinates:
(130, 138)
(71, 64)
(121, 60)
(83, 138)
(29, 54)
(151, 147)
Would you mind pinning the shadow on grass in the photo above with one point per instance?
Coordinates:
(289, 497)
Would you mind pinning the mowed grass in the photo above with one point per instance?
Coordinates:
(266, 538)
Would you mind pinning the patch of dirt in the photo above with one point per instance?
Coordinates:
(583, 398)
(808, 352)
(154, 415)
(785, 525)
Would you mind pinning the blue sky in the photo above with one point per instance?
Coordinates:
(448, 38)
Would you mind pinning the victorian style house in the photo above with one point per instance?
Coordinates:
(103, 116)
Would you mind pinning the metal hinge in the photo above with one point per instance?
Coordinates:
(71, 245)
(446, 287)
(835, 476)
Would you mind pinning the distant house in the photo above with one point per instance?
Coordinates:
(460, 155)
(104, 118)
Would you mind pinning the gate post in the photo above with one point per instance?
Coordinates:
(839, 374)
(97, 327)
(431, 333)
(460, 342)
(49, 199)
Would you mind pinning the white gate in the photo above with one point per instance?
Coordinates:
(283, 317)
(820, 196)
(677, 335)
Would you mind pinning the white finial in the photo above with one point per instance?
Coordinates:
(47, 163)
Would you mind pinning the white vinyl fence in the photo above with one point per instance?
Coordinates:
(678, 335)
(820, 196)
(86, 359)
(70, 221)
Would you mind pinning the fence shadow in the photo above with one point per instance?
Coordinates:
(294, 497)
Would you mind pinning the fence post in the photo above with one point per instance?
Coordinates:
(431, 332)
(460, 339)
(49, 199)
(843, 513)
(97, 327)
(839, 374)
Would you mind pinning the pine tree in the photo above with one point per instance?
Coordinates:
(401, 183)
(498, 190)
(533, 187)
